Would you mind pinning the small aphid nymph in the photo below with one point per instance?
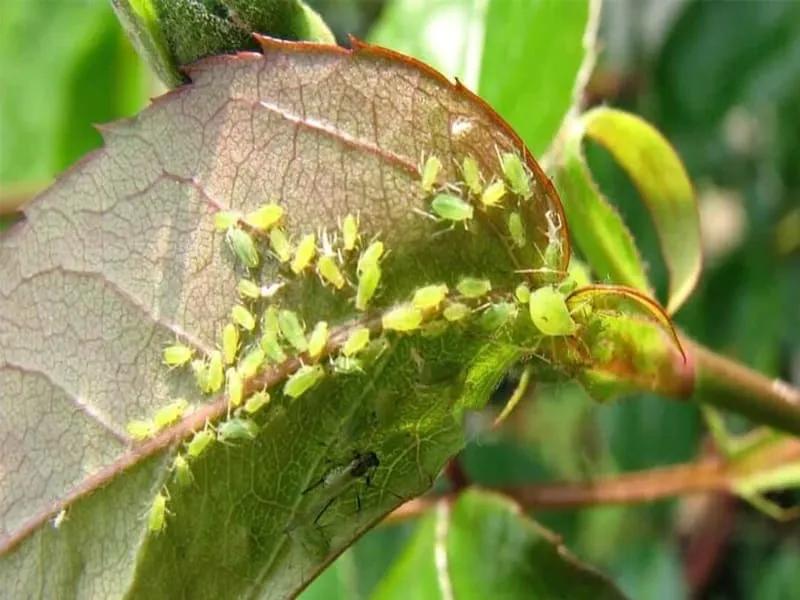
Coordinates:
(304, 255)
(280, 245)
(497, 315)
(200, 442)
(516, 173)
(318, 339)
(472, 175)
(251, 363)
(471, 287)
(157, 515)
(177, 355)
(430, 296)
(429, 173)
(256, 402)
(237, 429)
(230, 343)
(182, 473)
(272, 347)
(140, 430)
(265, 217)
(452, 208)
(291, 329)
(522, 293)
(303, 380)
(347, 365)
(350, 232)
(248, 289)
(243, 247)
(368, 282)
(356, 341)
(215, 376)
(225, 219)
(243, 317)
(329, 271)
(456, 311)
(516, 229)
(402, 318)
(493, 194)
(170, 414)
(234, 387)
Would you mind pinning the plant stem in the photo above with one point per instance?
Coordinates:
(706, 475)
(728, 385)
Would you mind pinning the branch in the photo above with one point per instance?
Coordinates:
(707, 475)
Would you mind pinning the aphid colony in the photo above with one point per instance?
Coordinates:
(455, 202)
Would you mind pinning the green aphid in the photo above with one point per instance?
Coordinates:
(230, 343)
(243, 247)
(429, 173)
(318, 339)
(177, 355)
(517, 229)
(497, 315)
(452, 208)
(370, 257)
(356, 341)
(157, 515)
(435, 328)
(347, 365)
(472, 175)
(182, 473)
(350, 232)
(251, 363)
(305, 253)
(493, 194)
(225, 219)
(456, 311)
(291, 329)
(200, 442)
(549, 312)
(170, 414)
(248, 289)
(269, 320)
(272, 347)
(216, 375)
(243, 317)
(303, 380)
(430, 296)
(402, 318)
(280, 244)
(522, 293)
(368, 282)
(265, 217)
(237, 429)
(472, 287)
(234, 387)
(329, 271)
(141, 430)
(516, 174)
(200, 370)
(256, 402)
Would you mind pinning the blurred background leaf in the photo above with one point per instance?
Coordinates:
(721, 80)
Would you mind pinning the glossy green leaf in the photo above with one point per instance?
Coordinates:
(483, 546)
(537, 58)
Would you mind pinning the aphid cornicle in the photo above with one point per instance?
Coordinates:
(225, 219)
(350, 232)
(329, 271)
(429, 173)
(368, 282)
(516, 174)
(403, 318)
(318, 339)
(303, 380)
(356, 341)
(304, 254)
(452, 208)
(280, 244)
(177, 355)
(200, 442)
(291, 329)
(472, 175)
(429, 296)
(230, 343)
(517, 229)
(243, 317)
(243, 247)
(471, 287)
(265, 217)
(169, 414)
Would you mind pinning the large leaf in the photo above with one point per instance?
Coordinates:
(483, 547)
(120, 257)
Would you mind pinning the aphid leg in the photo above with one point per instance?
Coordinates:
(516, 396)
(324, 508)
